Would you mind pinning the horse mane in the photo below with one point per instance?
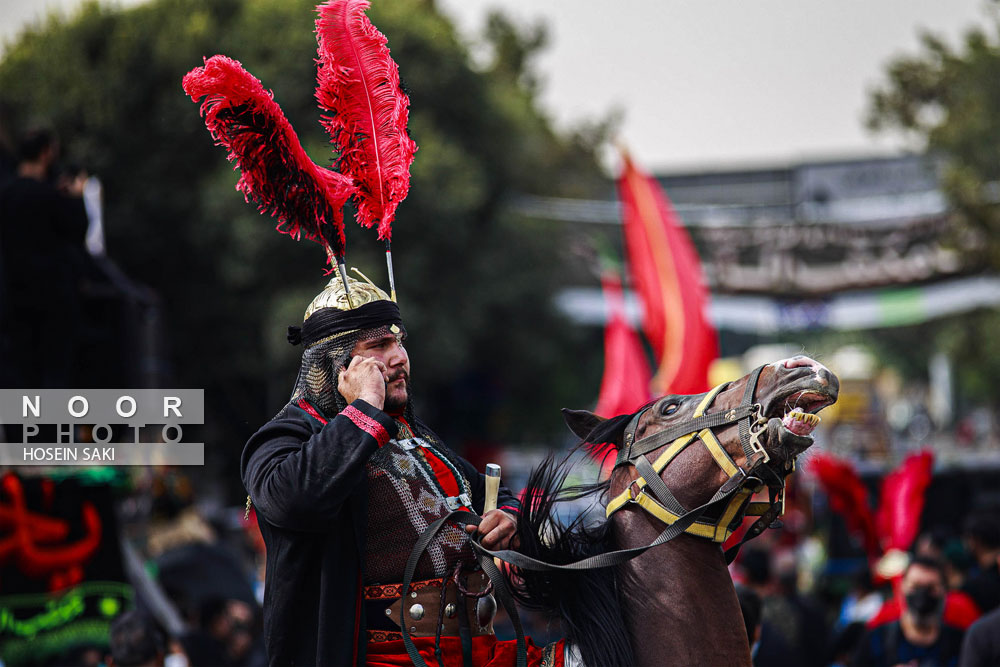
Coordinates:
(588, 603)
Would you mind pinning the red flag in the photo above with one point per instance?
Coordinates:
(898, 517)
(667, 274)
(625, 386)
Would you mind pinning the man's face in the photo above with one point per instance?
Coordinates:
(923, 593)
(390, 351)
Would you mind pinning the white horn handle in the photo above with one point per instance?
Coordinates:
(492, 487)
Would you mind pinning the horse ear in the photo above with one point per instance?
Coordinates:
(581, 422)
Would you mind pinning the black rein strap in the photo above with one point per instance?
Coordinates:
(747, 415)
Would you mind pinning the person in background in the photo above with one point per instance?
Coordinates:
(920, 637)
(750, 605)
(135, 641)
(982, 536)
(771, 649)
(43, 223)
(861, 603)
(981, 647)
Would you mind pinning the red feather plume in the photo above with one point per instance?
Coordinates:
(275, 171)
(359, 83)
(898, 516)
(848, 497)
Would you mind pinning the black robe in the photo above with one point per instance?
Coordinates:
(308, 484)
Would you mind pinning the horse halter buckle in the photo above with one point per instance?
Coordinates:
(758, 427)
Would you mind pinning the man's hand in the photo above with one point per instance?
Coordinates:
(498, 530)
(364, 378)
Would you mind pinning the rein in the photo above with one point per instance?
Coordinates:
(734, 495)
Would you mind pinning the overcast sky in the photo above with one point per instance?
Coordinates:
(708, 83)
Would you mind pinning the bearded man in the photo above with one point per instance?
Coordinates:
(344, 480)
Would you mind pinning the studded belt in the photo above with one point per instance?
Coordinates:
(431, 605)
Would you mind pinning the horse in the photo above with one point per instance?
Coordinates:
(674, 604)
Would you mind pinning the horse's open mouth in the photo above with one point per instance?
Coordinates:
(797, 410)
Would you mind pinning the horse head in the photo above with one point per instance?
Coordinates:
(693, 463)
(744, 434)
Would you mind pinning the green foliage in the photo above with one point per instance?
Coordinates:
(491, 359)
(947, 99)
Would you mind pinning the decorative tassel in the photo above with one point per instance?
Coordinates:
(359, 83)
(275, 171)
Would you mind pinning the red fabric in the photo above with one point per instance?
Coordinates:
(959, 611)
(848, 497)
(444, 475)
(898, 517)
(359, 83)
(625, 386)
(305, 405)
(486, 652)
(275, 170)
(667, 274)
(366, 424)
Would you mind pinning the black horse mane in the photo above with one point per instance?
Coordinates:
(588, 603)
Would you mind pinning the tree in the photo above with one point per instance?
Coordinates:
(492, 360)
(947, 100)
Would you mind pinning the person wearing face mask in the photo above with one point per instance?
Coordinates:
(920, 637)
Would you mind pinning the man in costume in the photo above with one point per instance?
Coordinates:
(344, 479)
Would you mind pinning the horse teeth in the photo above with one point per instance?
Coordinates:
(806, 417)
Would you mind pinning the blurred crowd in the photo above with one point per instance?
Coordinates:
(200, 586)
(939, 604)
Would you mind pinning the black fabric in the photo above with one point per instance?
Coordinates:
(984, 588)
(308, 484)
(885, 646)
(331, 321)
(981, 647)
(42, 265)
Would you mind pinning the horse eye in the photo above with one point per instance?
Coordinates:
(669, 409)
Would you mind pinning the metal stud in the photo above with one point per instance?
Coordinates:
(486, 610)
(413, 594)
(449, 610)
(388, 612)
(417, 612)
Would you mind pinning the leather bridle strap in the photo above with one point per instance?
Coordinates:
(660, 438)
(609, 558)
(650, 492)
